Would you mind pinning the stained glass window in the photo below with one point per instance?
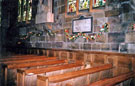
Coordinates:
(99, 3)
(71, 5)
(84, 4)
(24, 10)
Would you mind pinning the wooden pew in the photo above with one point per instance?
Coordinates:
(21, 55)
(46, 62)
(45, 81)
(28, 60)
(17, 57)
(113, 81)
(23, 74)
(11, 60)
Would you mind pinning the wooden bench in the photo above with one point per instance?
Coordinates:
(45, 81)
(7, 67)
(113, 81)
(21, 55)
(24, 77)
(15, 57)
(37, 58)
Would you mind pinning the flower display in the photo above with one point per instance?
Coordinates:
(36, 33)
(104, 28)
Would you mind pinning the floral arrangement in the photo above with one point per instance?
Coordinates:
(36, 33)
(104, 28)
(133, 26)
(29, 34)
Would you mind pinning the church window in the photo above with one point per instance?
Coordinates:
(24, 10)
(84, 4)
(99, 3)
(71, 5)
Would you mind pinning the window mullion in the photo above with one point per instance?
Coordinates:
(90, 7)
(22, 10)
(66, 8)
(77, 7)
(27, 12)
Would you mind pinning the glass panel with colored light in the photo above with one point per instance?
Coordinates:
(99, 3)
(29, 9)
(71, 5)
(84, 4)
(24, 10)
(19, 10)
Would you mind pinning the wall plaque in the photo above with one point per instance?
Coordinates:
(83, 24)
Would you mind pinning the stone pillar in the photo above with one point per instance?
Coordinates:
(44, 11)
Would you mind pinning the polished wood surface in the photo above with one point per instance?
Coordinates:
(21, 74)
(12, 59)
(28, 60)
(49, 69)
(114, 80)
(70, 75)
(33, 64)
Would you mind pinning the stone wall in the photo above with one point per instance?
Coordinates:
(118, 13)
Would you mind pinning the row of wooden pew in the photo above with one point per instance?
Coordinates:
(32, 70)
(25, 61)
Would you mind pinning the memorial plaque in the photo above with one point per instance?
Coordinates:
(83, 24)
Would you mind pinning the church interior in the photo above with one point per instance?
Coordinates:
(67, 42)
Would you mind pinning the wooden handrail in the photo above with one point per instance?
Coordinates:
(114, 80)
(70, 75)
(28, 60)
(49, 69)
